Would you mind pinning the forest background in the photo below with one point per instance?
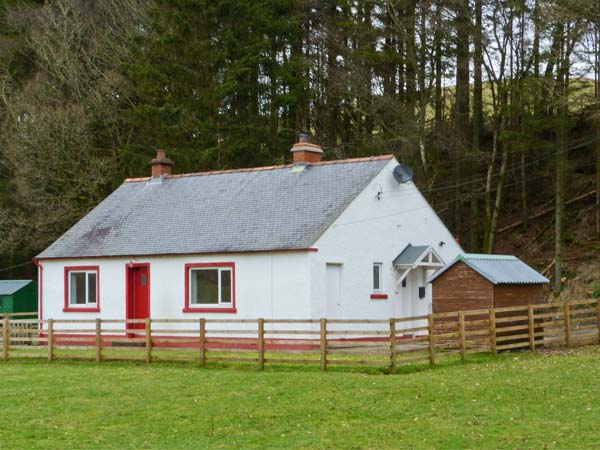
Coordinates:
(493, 103)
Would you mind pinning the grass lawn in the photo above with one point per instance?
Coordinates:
(518, 400)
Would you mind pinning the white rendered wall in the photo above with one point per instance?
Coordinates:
(268, 285)
(372, 230)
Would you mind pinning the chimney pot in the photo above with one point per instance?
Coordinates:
(161, 165)
(304, 152)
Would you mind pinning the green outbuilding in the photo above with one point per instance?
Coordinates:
(18, 296)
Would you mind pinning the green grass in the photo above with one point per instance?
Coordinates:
(518, 400)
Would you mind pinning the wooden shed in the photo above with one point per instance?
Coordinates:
(18, 296)
(474, 281)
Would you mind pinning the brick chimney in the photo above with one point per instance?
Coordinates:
(161, 165)
(305, 152)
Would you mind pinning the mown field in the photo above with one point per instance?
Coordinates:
(517, 400)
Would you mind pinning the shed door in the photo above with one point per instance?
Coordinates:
(334, 286)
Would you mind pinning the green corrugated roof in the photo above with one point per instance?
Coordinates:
(498, 269)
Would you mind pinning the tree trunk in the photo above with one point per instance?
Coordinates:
(597, 121)
(520, 109)
(497, 202)
(536, 40)
(332, 97)
(400, 36)
(423, 92)
(439, 105)
(411, 59)
(561, 140)
(524, 203)
(488, 193)
(477, 121)
(558, 212)
(463, 22)
(367, 108)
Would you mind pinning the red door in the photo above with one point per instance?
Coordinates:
(138, 295)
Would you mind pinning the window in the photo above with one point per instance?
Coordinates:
(377, 283)
(82, 289)
(377, 277)
(210, 287)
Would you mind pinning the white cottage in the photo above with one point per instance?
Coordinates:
(335, 239)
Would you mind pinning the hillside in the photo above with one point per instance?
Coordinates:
(534, 242)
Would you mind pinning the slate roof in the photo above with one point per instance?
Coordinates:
(498, 269)
(262, 209)
(10, 287)
(410, 254)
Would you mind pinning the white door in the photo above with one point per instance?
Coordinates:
(334, 295)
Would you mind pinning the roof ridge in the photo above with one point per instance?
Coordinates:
(488, 256)
(265, 168)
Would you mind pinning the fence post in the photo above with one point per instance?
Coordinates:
(323, 344)
(50, 339)
(431, 339)
(567, 324)
(148, 340)
(531, 328)
(98, 340)
(392, 345)
(261, 344)
(598, 307)
(461, 333)
(202, 342)
(493, 331)
(5, 338)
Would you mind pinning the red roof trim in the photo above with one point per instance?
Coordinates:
(259, 169)
(157, 255)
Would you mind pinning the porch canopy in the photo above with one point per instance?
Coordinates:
(414, 257)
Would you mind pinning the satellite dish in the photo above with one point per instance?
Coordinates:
(403, 174)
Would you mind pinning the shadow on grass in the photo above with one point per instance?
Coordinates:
(401, 369)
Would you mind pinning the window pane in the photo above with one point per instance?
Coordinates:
(91, 287)
(78, 288)
(226, 286)
(376, 277)
(205, 286)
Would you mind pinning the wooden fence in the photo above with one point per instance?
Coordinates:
(389, 343)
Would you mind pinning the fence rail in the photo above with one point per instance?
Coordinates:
(391, 343)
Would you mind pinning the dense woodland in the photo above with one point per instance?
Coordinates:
(494, 103)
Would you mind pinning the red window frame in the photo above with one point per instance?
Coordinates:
(67, 306)
(195, 309)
